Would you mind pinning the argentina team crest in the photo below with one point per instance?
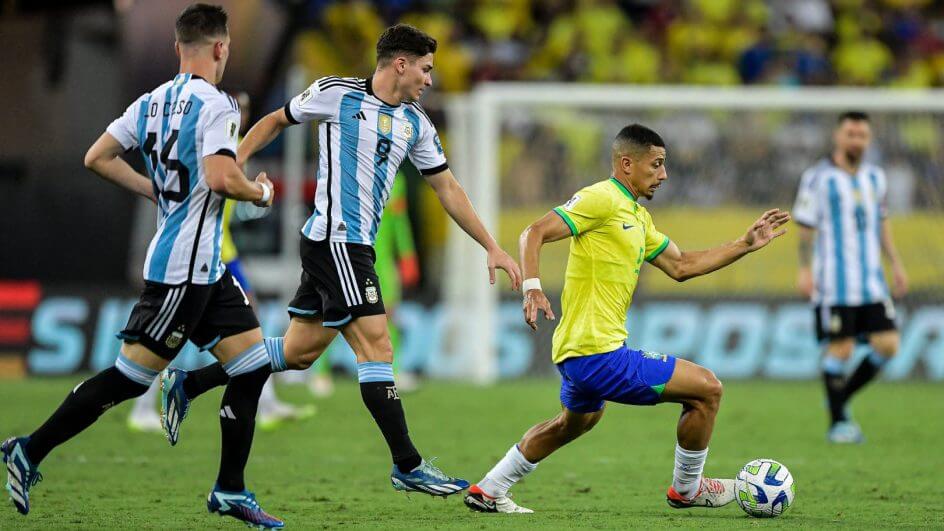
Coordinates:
(408, 131)
(175, 337)
(370, 292)
(384, 123)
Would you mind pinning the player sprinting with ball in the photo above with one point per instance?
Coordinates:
(612, 235)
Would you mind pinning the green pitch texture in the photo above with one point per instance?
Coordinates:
(332, 470)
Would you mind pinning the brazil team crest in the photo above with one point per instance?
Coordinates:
(384, 123)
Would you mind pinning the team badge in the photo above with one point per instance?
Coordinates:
(175, 337)
(305, 96)
(889, 309)
(384, 123)
(835, 323)
(392, 393)
(370, 291)
(408, 130)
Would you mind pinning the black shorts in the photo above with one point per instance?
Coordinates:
(167, 316)
(838, 322)
(338, 283)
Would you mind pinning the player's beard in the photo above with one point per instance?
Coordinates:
(854, 156)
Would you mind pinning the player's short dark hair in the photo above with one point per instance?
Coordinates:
(855, 116)
(637, 138)
(200, 22)
(403, 39)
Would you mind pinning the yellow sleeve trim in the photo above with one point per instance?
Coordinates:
(658, 250)
(570, 223)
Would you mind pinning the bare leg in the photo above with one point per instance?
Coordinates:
(538, 442)
(699, 392)
(305, 341)
(545, 438)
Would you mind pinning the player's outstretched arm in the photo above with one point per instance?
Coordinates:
(549, 228)
(104, 158)
(454, 199)
(900, 278)
(261, 134)
(683, 265)
(227, 179)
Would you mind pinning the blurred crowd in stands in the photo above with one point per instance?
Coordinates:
(715, 158)
(706, 42)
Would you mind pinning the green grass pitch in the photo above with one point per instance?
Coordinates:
(332, 470)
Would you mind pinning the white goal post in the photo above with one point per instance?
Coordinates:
(475, 133)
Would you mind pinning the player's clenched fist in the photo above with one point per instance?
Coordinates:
(535, 300)
(268, 191)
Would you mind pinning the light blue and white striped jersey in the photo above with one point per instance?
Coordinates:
(175, 126)
(847, 213)
(362, 141)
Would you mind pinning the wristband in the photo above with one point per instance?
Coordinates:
(530, 284)
(266, 193)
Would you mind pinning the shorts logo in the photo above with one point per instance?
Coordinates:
(175, 337)
(371, 293)
(654, 355)
(835, 323)
(889, 309)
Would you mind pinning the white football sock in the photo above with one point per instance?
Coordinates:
(506, 473)
(146, 404)
(688, 467)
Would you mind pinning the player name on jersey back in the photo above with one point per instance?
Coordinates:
(175, 126)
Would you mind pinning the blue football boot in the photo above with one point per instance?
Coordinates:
(174, 402)
(21, 474)
(241, 506)
(427, 479)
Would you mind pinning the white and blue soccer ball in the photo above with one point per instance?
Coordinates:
(764, 488)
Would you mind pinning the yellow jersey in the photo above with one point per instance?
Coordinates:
(612, 235)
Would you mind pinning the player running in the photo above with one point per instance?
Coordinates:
(186, 130)
(612, 235)
(367, 127)
(841, 205)
(397, 268)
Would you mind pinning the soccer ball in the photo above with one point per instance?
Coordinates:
(764, 488)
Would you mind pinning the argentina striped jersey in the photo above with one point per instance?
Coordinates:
(175, 126)
(847, 212)
(362, 141)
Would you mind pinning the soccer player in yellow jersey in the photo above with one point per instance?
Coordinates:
(612, 234)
